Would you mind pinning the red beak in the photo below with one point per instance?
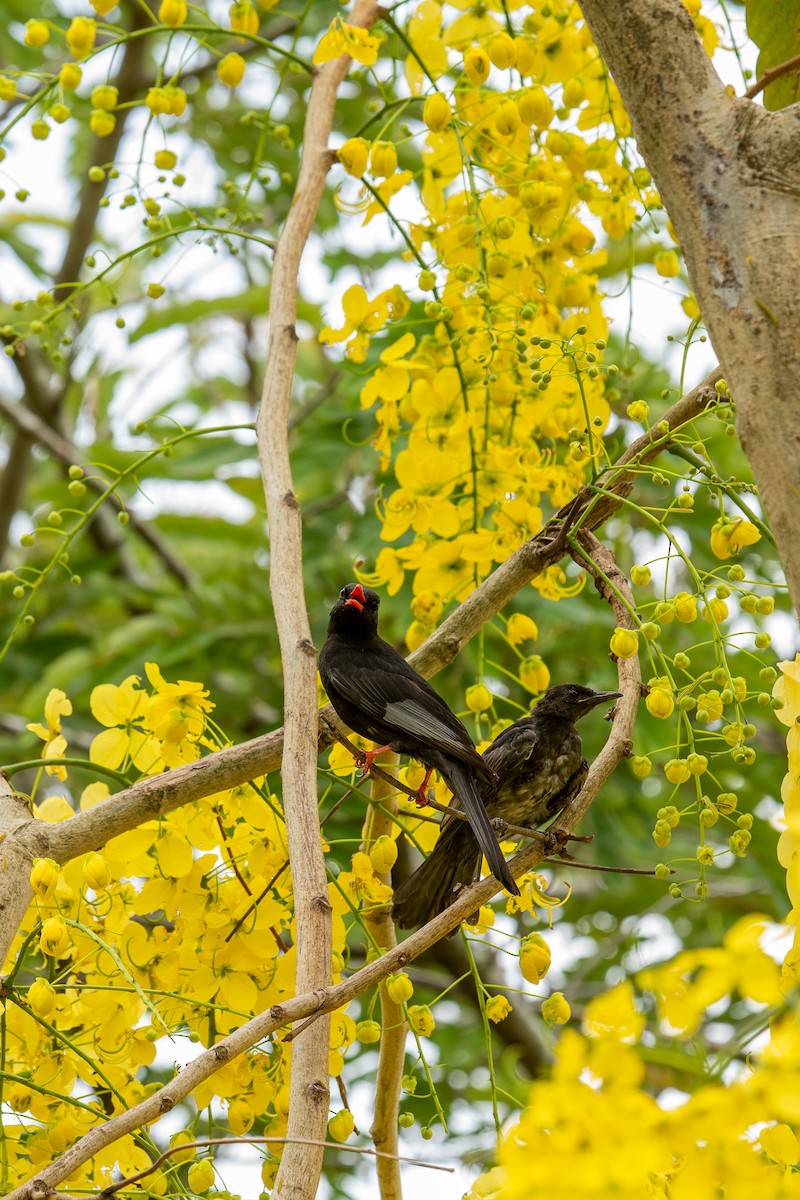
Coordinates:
(357, 598)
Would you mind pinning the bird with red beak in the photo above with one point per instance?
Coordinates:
(378, 695)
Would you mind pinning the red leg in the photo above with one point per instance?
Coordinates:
(422, 798)
(367, 757)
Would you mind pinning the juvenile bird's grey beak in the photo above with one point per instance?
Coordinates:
(601, 698)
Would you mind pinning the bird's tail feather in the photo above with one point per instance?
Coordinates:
(461, 782)
(455, 861)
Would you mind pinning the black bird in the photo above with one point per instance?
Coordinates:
(540, 768)
(377, 694)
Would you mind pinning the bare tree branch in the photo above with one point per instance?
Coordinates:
(301, 1165)
(379, 923)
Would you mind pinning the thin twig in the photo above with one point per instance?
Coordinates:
(204, 1143)
(784, 68)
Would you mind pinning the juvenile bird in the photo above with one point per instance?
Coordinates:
(377, 694)
(540, 767)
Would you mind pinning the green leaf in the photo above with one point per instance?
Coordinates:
(774, 25)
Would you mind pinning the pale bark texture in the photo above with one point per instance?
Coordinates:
(301, 1164)
(379, 923)
(729, 175)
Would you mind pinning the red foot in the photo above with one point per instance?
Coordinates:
(421, 799)
(366, 758)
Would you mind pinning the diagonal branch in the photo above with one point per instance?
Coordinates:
(27, 422)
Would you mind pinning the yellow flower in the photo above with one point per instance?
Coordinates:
(534, 958)
(535, 107)
(102, 123)
(667, 263)
(497, 1009)
(641, 766)
(521, 628)
(436, 112)
(175, 714)
(103, 7)
(157, 100)
(506, 118)
(354, 155)
(556, 1010)
(660, 702)
(241, 1117)
(42, 997)
(477, 65)
(534, 674)
(383, 159)
(81, 35)
(105, 96)
(201, 1175)
(640, 576)
(230, 71)
(715, 611)
(638, 410)
(709, 705)
(243, 17)
(677, 770)
(421, 1019)
(624, 643)
(56, 706)
(121, 711)
(368, 1032)
(20, 1097)
(502, 51)
(70, 76)
(362, 317)
(787, 689)
(574, 93)
(96, 872)
(54, 938)
(728, 537)
(165, 160)
(172, 12)
(44, 877)
(342, 38)
(383, 854)
(479, 698)
(8, 88)
(341, 1125)
(685, 607)
(400, 988)
(183, 1136)
(779, 1143)
(36, 34)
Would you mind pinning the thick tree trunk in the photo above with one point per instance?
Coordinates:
(729, 175)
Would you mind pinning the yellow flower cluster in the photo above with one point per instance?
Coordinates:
(476, 418)
(142, 941)
(594, 1129)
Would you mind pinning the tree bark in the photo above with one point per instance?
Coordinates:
(729, 175)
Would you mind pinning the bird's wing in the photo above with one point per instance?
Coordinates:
(512, 750)
(403, 701)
